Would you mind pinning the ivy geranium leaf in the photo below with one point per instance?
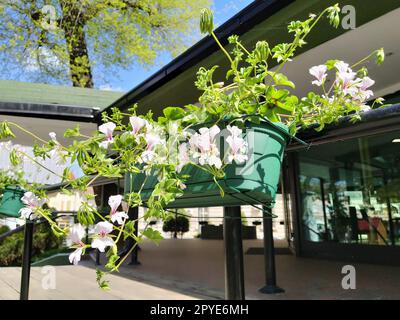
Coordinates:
(129, 229)
(153, 235)
(281, 80)
(174, 113)
(103, 284)
(331, 64)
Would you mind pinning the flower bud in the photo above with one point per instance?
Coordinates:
(380, 56)
(262, 51)
(206, 21)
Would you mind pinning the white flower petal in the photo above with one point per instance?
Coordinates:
(103, 227)
(75, 256)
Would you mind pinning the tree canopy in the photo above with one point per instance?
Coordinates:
(63, 40)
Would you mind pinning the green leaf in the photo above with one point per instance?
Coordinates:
(129, 229)
(103, 284)
(153, 235)
(330, 64)
(112, 261)
(69, 133)
(174, 113)
(281, 80)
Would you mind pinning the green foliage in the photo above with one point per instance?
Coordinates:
(4, 229)
(152, 235)
(103, 284)
(176, 225)
(84, 33)
(5, 131)
(86, 214)
(11, 247)
(141, 144)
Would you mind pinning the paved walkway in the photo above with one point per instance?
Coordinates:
(78, 283)
(197, 266)
(194, 269)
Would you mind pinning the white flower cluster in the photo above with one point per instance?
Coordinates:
(203, 147)
(346, 82)
(76, 233)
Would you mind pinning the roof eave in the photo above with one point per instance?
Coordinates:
(49, 111)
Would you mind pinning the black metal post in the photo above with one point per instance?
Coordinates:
(26, 260)
(97, 257)
(269, 255)
(234, 274)
(133, 214)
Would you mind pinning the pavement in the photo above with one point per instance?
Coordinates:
(79, 283)
(197, 266)
(194, 269)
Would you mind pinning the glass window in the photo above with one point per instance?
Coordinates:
(350, 191)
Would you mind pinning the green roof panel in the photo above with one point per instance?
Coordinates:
(39, 93)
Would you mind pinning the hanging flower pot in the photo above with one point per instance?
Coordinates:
(11, 202)
(254, 182)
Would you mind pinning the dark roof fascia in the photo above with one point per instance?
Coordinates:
(48, 111)
(243, 21)
(375, 121)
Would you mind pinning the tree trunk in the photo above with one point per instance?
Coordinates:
(73, 24)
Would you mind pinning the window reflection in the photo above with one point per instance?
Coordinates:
(350, 191)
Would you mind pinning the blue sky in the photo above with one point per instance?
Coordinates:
(128, 79)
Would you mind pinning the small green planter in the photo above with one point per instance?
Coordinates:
(11, 202)
(254, 183)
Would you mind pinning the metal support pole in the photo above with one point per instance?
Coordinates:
(234, 274)
(133, 214)
(269, 255)
(97, 257)
(26, 260)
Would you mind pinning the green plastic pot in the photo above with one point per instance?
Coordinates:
(11, 202)
(257, 185)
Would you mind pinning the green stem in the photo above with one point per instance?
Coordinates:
(222, 48)
(364, 59)
(294, 44)
(243, 47)
(27, 132)
(39, 164)
(130, 251)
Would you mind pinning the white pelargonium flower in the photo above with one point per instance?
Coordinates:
(237, 146)
(76, 233)
(58, 155)
(207, 136)
(364, 93)
(319, 72)
(137, 123)
(342, 67)
(183, 156)
(152, 140)
(204, 147)
(114, 202)
(75, 256)
(53, 136)
(345, 78)
(365, 108)
(107, 129)
(31, 202)
(103, 240)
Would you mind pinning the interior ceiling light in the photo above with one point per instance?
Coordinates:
(396, 140)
